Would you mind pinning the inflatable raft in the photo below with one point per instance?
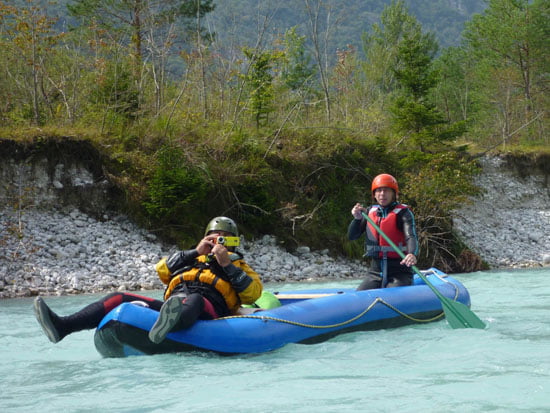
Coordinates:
(304, 316)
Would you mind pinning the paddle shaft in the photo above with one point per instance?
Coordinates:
(396, 248)
(458, 315)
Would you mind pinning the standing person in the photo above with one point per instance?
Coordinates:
(397, 222)
(206, 282)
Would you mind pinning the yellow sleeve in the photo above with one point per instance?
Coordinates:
(251, 293)
(163, 272)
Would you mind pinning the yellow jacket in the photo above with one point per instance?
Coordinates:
(240, 276)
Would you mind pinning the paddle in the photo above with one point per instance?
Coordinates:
(458, 315)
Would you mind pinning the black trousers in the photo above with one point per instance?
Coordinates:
(397, 275)
(91, 315)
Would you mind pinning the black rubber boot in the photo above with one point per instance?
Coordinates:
(49, 321)
(177, 313)
(56, 327)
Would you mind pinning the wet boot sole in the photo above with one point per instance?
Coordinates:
(168, 317)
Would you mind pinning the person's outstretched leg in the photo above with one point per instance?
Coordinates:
(57, 327)
(177, 313)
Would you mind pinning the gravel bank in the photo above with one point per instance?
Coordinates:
(69, 252)
(509, 224)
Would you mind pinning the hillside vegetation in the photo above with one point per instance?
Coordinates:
(286, 133)
(243, 20)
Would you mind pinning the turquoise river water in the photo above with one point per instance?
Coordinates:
(420, 368)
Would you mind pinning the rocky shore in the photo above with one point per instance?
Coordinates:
(69, 252)
(508, 224)
(65, 251)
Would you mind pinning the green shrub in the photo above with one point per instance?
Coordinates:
(175, 189)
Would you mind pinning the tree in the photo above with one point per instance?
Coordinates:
(347, 83)
(298, 71)
(28, 40)
(260, 82)
(511, 39)
(137, 23)
(131, 18)
(316, 11)
(381, 46)
(414, 114)
(409, 78)
(454, 91)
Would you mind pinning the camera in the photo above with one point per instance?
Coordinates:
(228, 241)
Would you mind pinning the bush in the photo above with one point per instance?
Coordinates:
(176, 191)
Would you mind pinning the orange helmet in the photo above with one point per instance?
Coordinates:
(384, 180)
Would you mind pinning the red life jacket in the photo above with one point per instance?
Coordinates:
(377, 246)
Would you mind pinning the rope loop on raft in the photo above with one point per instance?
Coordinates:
(343, 323)
(351, 320)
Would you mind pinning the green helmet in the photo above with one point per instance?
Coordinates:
(222, 224)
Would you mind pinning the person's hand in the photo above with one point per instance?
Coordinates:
(221, 254)
(356, 211)
(409, 260)
(206, 245)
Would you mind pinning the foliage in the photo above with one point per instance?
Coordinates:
(458, 93)
(171, 107)
(413, 70)
(115, 89)
(438, 187)
(176, 188)
(382, 44)
(297, 69)
(415, 116)
(28, 38)
(510, 44)
(240, 19)
(132, 19)
(259, 81)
